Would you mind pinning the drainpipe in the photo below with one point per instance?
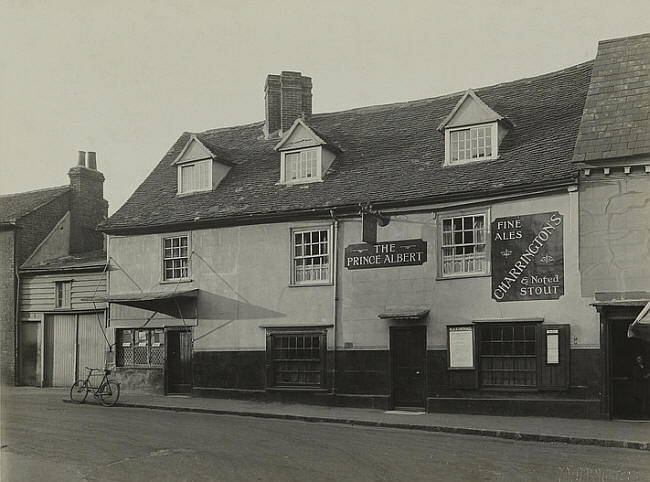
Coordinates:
(17, 326)
(335, 287)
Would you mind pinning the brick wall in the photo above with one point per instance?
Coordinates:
(7, 295)
(88, 209)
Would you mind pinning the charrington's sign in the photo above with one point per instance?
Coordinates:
(409, 252)
(527, 257)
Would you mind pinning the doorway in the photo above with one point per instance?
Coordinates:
(623, 352)
(179, 362)
(408, 351)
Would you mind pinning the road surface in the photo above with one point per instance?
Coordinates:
(44, 439)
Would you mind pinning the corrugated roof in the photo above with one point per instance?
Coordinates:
(389, 153)
(15, 206)
(616, 118)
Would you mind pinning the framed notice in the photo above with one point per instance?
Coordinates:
(552, 347)
(460, 343)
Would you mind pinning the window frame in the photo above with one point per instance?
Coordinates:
(132, 344)
(273, 334)
(194, 164)
(163, 278)
(292, 256)
(494, 139)
(537, 356)
(64, 301)
(319, 166)
(441, 217)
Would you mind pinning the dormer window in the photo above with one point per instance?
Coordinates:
(471, 143)
(301, 166)
(472, 131)
(195, 176)
(305, 156)
(200, 166)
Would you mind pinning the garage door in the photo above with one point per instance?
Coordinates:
(91, 342)
(72, 342)
(60, 336)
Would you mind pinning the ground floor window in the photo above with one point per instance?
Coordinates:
(140, 347)
(296, 359)
(508, 355)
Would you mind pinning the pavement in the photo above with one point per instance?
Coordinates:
(631, 434)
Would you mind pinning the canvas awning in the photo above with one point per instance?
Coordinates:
(129, 298)
(404, 314)
(178, 304)
(640, 327)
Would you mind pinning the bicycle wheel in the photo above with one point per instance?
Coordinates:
(79, 391)
(109, 393)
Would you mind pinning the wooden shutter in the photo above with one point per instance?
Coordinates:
(555, 371)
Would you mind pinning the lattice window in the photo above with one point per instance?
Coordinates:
(508, 355)
(311, 260)
(464, 245)
(297, 359)
(144, 347)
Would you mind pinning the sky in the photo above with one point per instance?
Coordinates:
(126, 78)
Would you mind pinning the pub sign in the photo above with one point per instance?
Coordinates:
(408, 252)
(527, 257)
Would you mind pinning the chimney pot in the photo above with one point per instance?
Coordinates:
(92, 160)
(82, 159)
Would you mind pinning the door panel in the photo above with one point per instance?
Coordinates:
(408, 353)
(29, 359)
(60, 333)
(92, 345)
(179, 361)
(624, 350)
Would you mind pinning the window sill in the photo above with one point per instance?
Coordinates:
(463, 275)
(174, 281)
(298, 183)
(307, 285)
(138, 367)
(297, 389)
(470, 161)
(191, 193)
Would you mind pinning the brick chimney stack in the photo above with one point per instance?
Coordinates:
(287, 97)
(87, 204)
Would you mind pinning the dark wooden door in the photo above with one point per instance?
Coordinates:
(408, 348)
(625, 395)
(29, 360)
(179, 362)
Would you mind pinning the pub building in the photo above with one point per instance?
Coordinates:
(414, 255)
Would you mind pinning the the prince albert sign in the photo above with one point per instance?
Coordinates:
(527, 257)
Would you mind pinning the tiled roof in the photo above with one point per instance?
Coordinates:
(15, 206)
(80, 260)
(616, 118)
(390, 153)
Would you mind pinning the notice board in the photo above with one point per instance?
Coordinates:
(461, 346)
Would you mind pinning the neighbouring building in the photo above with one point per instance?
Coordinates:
(60, 334)
(422, 254)
(613, 153)
(35, 227)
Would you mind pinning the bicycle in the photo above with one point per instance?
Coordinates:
(107, 392)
